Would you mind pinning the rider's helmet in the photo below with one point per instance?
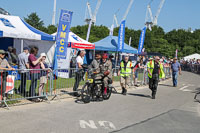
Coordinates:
(105, 56)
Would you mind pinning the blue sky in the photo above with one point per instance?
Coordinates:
(175, 14)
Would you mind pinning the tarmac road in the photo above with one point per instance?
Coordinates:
(173, 111)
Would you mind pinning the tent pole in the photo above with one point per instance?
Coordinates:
(22, 45)
(115, 74)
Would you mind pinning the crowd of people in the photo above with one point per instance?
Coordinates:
(33, 68)
(29, 67)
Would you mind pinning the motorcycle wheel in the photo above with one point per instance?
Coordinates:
(107, 96)
(85, 93)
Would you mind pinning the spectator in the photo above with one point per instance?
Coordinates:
(23, 64)
(14, 57)
(4, 65)
(34, 63)
(111, 58)
(79, 70)
(43, 78)
(175, 68)
(9, 58)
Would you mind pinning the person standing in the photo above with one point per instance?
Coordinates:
(4, 68)
(175, 67)
(125, 71)
(79, 70)
(154, 72)
(34, 63)
(106, 70)
(23, 64)
(43, 74)
(14, 57)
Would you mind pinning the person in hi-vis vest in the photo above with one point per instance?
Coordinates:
(155, 71)
(125, 72)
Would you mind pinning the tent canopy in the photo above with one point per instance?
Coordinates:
(77, 42)
(110, 44)
(196, 56)
(15, 27)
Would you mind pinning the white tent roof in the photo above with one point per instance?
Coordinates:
(196, 56)
(77, 42)
(15, 27)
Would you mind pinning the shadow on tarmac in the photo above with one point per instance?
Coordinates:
(139, 95)
(166, 85)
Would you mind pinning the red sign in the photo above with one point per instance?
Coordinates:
(82, 46)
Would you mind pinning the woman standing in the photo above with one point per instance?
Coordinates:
(34, 63)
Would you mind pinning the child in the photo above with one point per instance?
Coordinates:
(43, 78)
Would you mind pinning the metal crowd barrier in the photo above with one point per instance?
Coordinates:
(29, 84)
(195, 68)
(46, 84)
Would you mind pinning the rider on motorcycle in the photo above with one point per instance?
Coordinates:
(96, 62)
(106, 70)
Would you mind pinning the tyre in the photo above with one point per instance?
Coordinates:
(85, 93)
(107, 96)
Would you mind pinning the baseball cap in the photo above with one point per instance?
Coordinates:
(25, 48)
(2, 51)
(43, 54)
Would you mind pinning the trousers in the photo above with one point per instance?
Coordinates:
(153, 83)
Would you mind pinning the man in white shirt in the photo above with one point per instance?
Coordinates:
(79, 70)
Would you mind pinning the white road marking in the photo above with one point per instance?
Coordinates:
(187, 90)
(102, 124)
(90, 124)
(183, 88)
(107, 124)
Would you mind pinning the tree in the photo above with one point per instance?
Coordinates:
(51, 29)
(34, 20)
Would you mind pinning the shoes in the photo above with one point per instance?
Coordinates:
(124, 93)
(153, 97)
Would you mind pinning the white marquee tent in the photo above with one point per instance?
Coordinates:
(193, 56)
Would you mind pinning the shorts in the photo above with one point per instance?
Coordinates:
(124, 81)
(43, 80)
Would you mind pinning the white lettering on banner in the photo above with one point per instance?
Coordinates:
(90, 124)
(121, 36)
(107, 124)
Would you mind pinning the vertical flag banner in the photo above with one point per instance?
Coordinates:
(141, 42)
(63, 33)
(62, 52)
(121, 36)
(176, 53)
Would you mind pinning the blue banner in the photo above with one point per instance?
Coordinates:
(63, 33)
(141, 42)
(121, 36)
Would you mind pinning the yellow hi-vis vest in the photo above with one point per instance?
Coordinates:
(150, 66)
(127, 72)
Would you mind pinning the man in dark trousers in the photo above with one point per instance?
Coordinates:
(154, 71)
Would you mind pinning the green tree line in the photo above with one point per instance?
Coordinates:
(157, 40)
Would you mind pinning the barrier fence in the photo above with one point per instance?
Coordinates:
(195, 68)
(45, 84)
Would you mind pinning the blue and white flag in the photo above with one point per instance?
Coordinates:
(141, 42)
(62, 39)
(121, 36)
(63, 33)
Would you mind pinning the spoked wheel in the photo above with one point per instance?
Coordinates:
(85, 93)
(107, 96)
(197, 96)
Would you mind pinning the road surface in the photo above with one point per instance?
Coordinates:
(173, 111)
